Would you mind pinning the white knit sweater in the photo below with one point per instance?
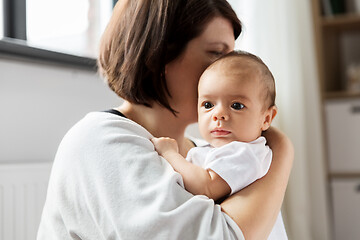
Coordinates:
(108, 182)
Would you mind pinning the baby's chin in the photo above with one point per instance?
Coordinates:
(219, 142)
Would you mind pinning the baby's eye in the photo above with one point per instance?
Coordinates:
(237, 106)
(208, 105)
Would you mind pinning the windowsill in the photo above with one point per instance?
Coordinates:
(20, 48)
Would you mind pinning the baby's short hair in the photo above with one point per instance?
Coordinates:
(266, 77)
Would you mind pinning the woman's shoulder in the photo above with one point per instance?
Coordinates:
(98, 125)
(106, 121)
(100, 132)
(103, 143)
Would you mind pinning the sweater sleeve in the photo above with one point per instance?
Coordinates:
(108, 182)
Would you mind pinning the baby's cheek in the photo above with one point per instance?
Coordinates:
(203, 127)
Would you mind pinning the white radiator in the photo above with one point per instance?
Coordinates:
(22, 197)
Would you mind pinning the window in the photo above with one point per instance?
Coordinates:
(67, 26)
(54, 29)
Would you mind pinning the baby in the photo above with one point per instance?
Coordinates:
(236, 104)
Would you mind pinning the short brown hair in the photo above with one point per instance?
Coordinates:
(267, 77)
(144, 35)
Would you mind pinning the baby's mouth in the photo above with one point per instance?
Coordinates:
(220, 132)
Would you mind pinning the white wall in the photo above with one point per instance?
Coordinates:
(40, 102)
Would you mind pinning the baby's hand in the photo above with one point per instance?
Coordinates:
(165, 145)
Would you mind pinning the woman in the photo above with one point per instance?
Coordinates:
(107, 180)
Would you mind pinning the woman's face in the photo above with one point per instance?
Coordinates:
(183, 73)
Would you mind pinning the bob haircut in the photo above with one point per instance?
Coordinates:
(144, 35)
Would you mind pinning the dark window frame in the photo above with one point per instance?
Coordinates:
(14, 12)
(14, 41)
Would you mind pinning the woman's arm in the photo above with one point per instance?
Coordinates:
(197, 180)
(256, 207)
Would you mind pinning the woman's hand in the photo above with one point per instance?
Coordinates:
(277, 139)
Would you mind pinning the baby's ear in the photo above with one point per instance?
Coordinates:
(269, 116)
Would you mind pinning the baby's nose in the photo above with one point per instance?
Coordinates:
(220, 114)
(219, 117)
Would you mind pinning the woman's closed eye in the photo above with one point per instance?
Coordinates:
(237, 106)
(216, 54)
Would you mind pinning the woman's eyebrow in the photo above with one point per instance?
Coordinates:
(223, 44)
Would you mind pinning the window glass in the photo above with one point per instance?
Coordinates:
(68, 26)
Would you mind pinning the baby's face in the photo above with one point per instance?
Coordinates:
(230, 106)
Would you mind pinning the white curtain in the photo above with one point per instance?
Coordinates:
(281, 33)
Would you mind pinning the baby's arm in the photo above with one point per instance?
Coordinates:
(197, 180)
